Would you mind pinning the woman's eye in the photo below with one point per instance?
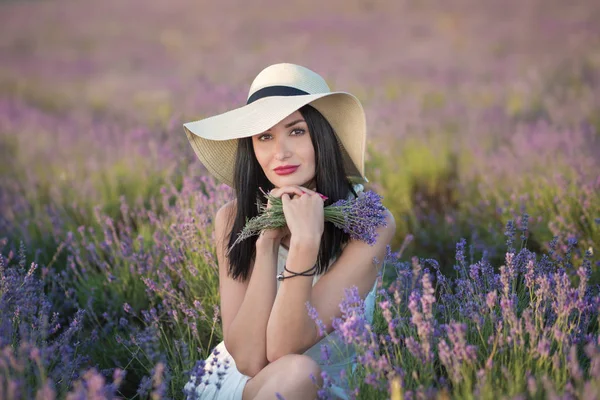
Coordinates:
(268, 136)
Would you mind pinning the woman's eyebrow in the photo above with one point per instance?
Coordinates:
(294, 123)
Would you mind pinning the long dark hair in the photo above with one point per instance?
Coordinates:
(331, 180)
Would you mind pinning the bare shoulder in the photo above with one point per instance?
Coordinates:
(229, 207)
(390, 224)
(224, 217)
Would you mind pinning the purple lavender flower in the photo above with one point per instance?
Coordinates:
(415, 349)
(491, 299)
(510, 236)
(352, 325)
(324, 392)
(144, 387)
(422, 317)
(529, 275)
(359, 217)
(312, 313)
(458, 354)
(325, 354)
(387, 315)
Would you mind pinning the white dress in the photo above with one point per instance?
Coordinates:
(223, 381)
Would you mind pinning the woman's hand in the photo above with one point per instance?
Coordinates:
(303, 210)
(278, 234)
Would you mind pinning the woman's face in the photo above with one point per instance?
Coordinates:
(287, 144)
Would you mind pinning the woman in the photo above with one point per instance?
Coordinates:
(298, 140)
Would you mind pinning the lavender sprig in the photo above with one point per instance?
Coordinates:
(359, 217)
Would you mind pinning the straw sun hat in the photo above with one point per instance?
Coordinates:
(276, 92)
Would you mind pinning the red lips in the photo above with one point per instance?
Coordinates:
(286, 169)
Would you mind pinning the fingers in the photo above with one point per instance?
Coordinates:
(313, 192)
(296, 190)
(287, 197)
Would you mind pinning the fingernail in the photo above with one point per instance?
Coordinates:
(323, 196)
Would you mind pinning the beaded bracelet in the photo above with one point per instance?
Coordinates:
(280, 276)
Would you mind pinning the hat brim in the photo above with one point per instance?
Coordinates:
(214, 139)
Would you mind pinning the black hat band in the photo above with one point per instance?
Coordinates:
(275, 91)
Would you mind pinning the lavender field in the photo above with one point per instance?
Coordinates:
(484, 141)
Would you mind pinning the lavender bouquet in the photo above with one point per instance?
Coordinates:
(359, 217)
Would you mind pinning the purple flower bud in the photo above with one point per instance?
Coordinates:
(312, 313)
(325, 354)
(491, 299)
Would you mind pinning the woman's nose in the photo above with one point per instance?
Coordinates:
(282, 149)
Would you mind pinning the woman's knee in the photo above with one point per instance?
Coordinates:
(301, 369)
(291, 375)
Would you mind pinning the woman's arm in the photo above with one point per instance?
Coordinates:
(290, 329)
(245, 306)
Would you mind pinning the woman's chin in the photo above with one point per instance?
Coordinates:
(290, 180)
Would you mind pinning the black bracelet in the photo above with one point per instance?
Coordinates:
(280, 276)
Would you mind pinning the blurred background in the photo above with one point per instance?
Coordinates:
(478, 112)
